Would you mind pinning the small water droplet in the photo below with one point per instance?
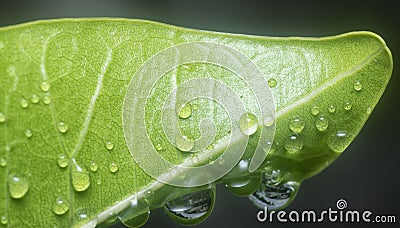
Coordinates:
(136, 215)
(248, 123)
(28, 133)
(46, 100)
(159, 147)
(347, 106)
(271, 176)
(185, 111)
(195, 106)
(98, 182)
(331, 108)
(339, 141)
(60, 207)
(272, 82)
(80, 178)
(321, 123)
(268, 121)
(45, 86)
(18, 186)
(314, 110)
(274, 197)
(3, 162)
(4, 220)
(34, 99)
(192, 208)
(358, 86)
(2, 118)
(81, 218)
(62, 127)
(62, 160)
(113, 167)
(296, 125)
(369, 110)
(94, 166)
(109, 145)
(184, 143)
(293, 144)
(24, 103)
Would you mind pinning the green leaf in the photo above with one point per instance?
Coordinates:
(65, 158)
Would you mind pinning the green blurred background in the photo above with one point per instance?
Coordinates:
(366, 174)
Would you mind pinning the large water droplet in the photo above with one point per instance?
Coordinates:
(113, 167)
(347, 106)
(94, 166)
(243, 186)
(62, 127)
(80, 178)
(321, 123)
(18, 186)
(248, 123)
(2, 118)
(296, 125)
(192, 208)
(272, 82)
(62, 160)
(3, 162)
(109, 145)
(4, 220)
(45, 86)
(24, 103)
(46, 100)
(331, 108)
(60, 207)
(274, 197)
(28, 133)
(185, 111)
(314, 110)
(136, 215)
(339, 141)
(358, 86)
(293, 144)
(34, 99)
(184, 143)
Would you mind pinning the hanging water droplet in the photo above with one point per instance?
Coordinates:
(62, 127)
(4, 220)
(248, 123)
(358, 86)
(185, 111)
(3, 162)
(293, 144)
(45, 86)
(136, 221)
(184, 143)
(80, 178)
(62, 160)
(369, 110)
(339, 141)
(136, 214)
(314, 110)
(331, 108)
(24, 103)
(159, 147)
(94, 166)
(46, 100)
(272, 82)
(296, 125)
(28, 133)
(18, 186)
(268, 121)
(34, 99)
(109, 145)
(192, 208)
(60, 207)
(113, 167)
(347, 106)
(274, 197)
(243, 186)
(2, 118)
(321, 123)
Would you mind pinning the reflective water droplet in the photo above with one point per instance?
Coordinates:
(3, 162)
(24, 103)
(272, 82)
(60, 207)
(62, 127)
(136, 214)
(113, 167)
(293, 144)
(80, 218)
(98, 182)
(268, 121)
(192, 208)
(45, 86)
(109, 145)
(4, 220)
(296, 125)
(321, 123)
(274, 197)
(80, 178)
(184, 143)
(347, 106)
(159, 147)
(62, 160)
(195, 159)
(185, 111)
(94, 166)
(271, 176)
(358, 86)
(369, 110)
(2, 118)
(339, 141)
(46, 100)
(18, 186)
(28, 133)
(314, 110)
(248, 123)
(34, 99)
(331, 108)
(243, 186)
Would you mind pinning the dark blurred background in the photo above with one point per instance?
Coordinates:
(366, 174)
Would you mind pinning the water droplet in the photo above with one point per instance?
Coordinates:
(34, 99)
(98, 182)
(195, 107)
(113, 167)
(62, 127)
(271, 176)
(45, 86)
(3, 162)
(339, 141)
(24, 103)
(296, 125)
(109, 145)
(46, 100)
(248, 123)
(80, 178)
(60, 207)
(347, 106)
(81, 218)
(321, 123)
(18, 186)
(28, 133)
(293, 144)
(314, 110)
(136, 215)
(272, 82)
(268, 121)
(358, 86)
(274, 197)
(94, 166)
(4, 220)
(159, 147)
(369, 110)
(2, 118)
(331, 108)
(243, 186)
(184, 143)
(62, 160)
(185, 111)
(192, 208)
